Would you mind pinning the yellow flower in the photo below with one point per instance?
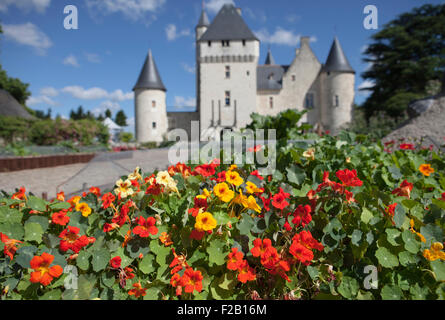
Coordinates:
(172, 186)
(426, 169)
(348, 160)
(252, 188)
(233, 167)
(74, 200)
(435, 252)
(234, 178)
(205, 222)
(135, 175)
(163, 178)
(251, 204)
(240, 199)
(205, 194)
(123, 188)
(223, 192)
(411, 223)
(309, 154)
(84, 208)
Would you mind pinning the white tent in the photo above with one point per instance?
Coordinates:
(114, 129)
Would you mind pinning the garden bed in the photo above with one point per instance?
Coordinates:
(35, 162)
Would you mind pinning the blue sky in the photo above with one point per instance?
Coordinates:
(97, 65)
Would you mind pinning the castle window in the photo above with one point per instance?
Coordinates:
(227, 72)
(309, 103)
(227, 98)
(271, 102)
(153, 104)
(153, 125)
(248, 73)
(225, 43)
(244, 43)
(336, 101)
(293, 78)
(209, 43)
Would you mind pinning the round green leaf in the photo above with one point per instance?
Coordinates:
(386, 258)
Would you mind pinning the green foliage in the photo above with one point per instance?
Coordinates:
(121, 118)
(406, 55)
(126, 137)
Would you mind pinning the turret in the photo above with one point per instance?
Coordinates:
(150, 103)
(339, 79)
(203, 24)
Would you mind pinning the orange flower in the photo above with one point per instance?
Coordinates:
(246, 273)
(191, 280)
(435, 252)
(138, 291)
(235, 259)
(260, 246)
(19, 195)
(107, 200)
(60, 217)
(84, 208)
(95, 191)
(43, 273)
(145, 227)
(165, 239)
(10, 247)
(404, 190)
(60, 196)
(426, 169)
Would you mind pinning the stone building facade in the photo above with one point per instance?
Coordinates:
(231, 84)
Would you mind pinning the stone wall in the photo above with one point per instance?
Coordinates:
(146, 115)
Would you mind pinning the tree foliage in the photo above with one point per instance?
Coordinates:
(121, 118)
(404, 56)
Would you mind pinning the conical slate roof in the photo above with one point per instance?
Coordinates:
(228, 25)
(337, 60)
(10, 107)
(269, 59)
(149, 77)
(203, 20)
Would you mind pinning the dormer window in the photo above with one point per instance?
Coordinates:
(270, 76)
(225, 43)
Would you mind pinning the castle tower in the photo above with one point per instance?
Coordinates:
(227, 58)
(200, 29)
(150, 104)
(338, 88)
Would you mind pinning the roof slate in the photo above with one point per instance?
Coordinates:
(149, 77)
(203, 20)
(10, 107)
(270, 77)
(337, 60)
(228, 25)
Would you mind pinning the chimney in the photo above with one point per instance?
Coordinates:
(304, 41)
(240, 12)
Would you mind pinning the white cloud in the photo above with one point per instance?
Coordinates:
(173, 34)
(71, 60)
(185, 102)
(280, 36)
(255, 15)
(214, 5)
(92, 57)
(188, 68)
(131, 9)
(96, 93)
(25, 5)
(363, 88)
(49, 91)
(28, 34)
(41, 99)
(103, 106)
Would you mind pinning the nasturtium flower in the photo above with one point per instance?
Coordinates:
(309, 154)
(107, 200)
(251, 204)
(60, 196)
(145, 227)
(84, 208)
(205, 170)
(279, 199)
(19, 195)
(70, 240)
(137, 290)
(135, 175)
(349, 178)
(301, 253)
(164, 178)
(95, 191)
(60, 218)
(191, 280)
(252, 187)
(426, 169)
(404, 190)
(407, 146)
(43, 273)
(421, 237)
(256, 174)
(205, 222)
(240, 198)
(260, 246)
(165, 239)
(435, 252)
(270, 257)
(246, 272)
(302, 215)
(223, 192)
(390, 210)
(115, 262)
(234, 178)
(123, 189)
(235, 259)
(10, 245)
(74, 200)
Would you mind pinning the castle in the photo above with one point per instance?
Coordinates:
(231, 85)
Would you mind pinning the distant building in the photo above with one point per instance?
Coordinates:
(10, 107)
(231, 85)
(113, 129)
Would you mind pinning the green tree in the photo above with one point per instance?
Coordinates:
(108, 113)
(405, 56)
(121, 118)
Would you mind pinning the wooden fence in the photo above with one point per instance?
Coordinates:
(34, 162)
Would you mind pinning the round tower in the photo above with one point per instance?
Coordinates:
(150, 104)
(338, 87)
(203, 24)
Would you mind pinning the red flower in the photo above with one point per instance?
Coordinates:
(95, 191)
(221, 177)
(389, 143)
(154, 189)
(404, 190)
(146, 227)
(256, 174)
(71, 240)
(205, 170)
(279, 199)
(266, 203)
(19, 195)
(407, 146)
(235, 259)
(60, 217)
(191, 280)
(129, 272)
(137, 290)
(270, 257)
(349, 178)
(260, 246)
(122, 217)
(107, 200)
(246, 273)
(197, 235)
(10, 245)
(306, 239)
(301, 253)
(443, 197)
(302, 215)
(109, 227)
(390, 210)
(43, 273)
(115, 262)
